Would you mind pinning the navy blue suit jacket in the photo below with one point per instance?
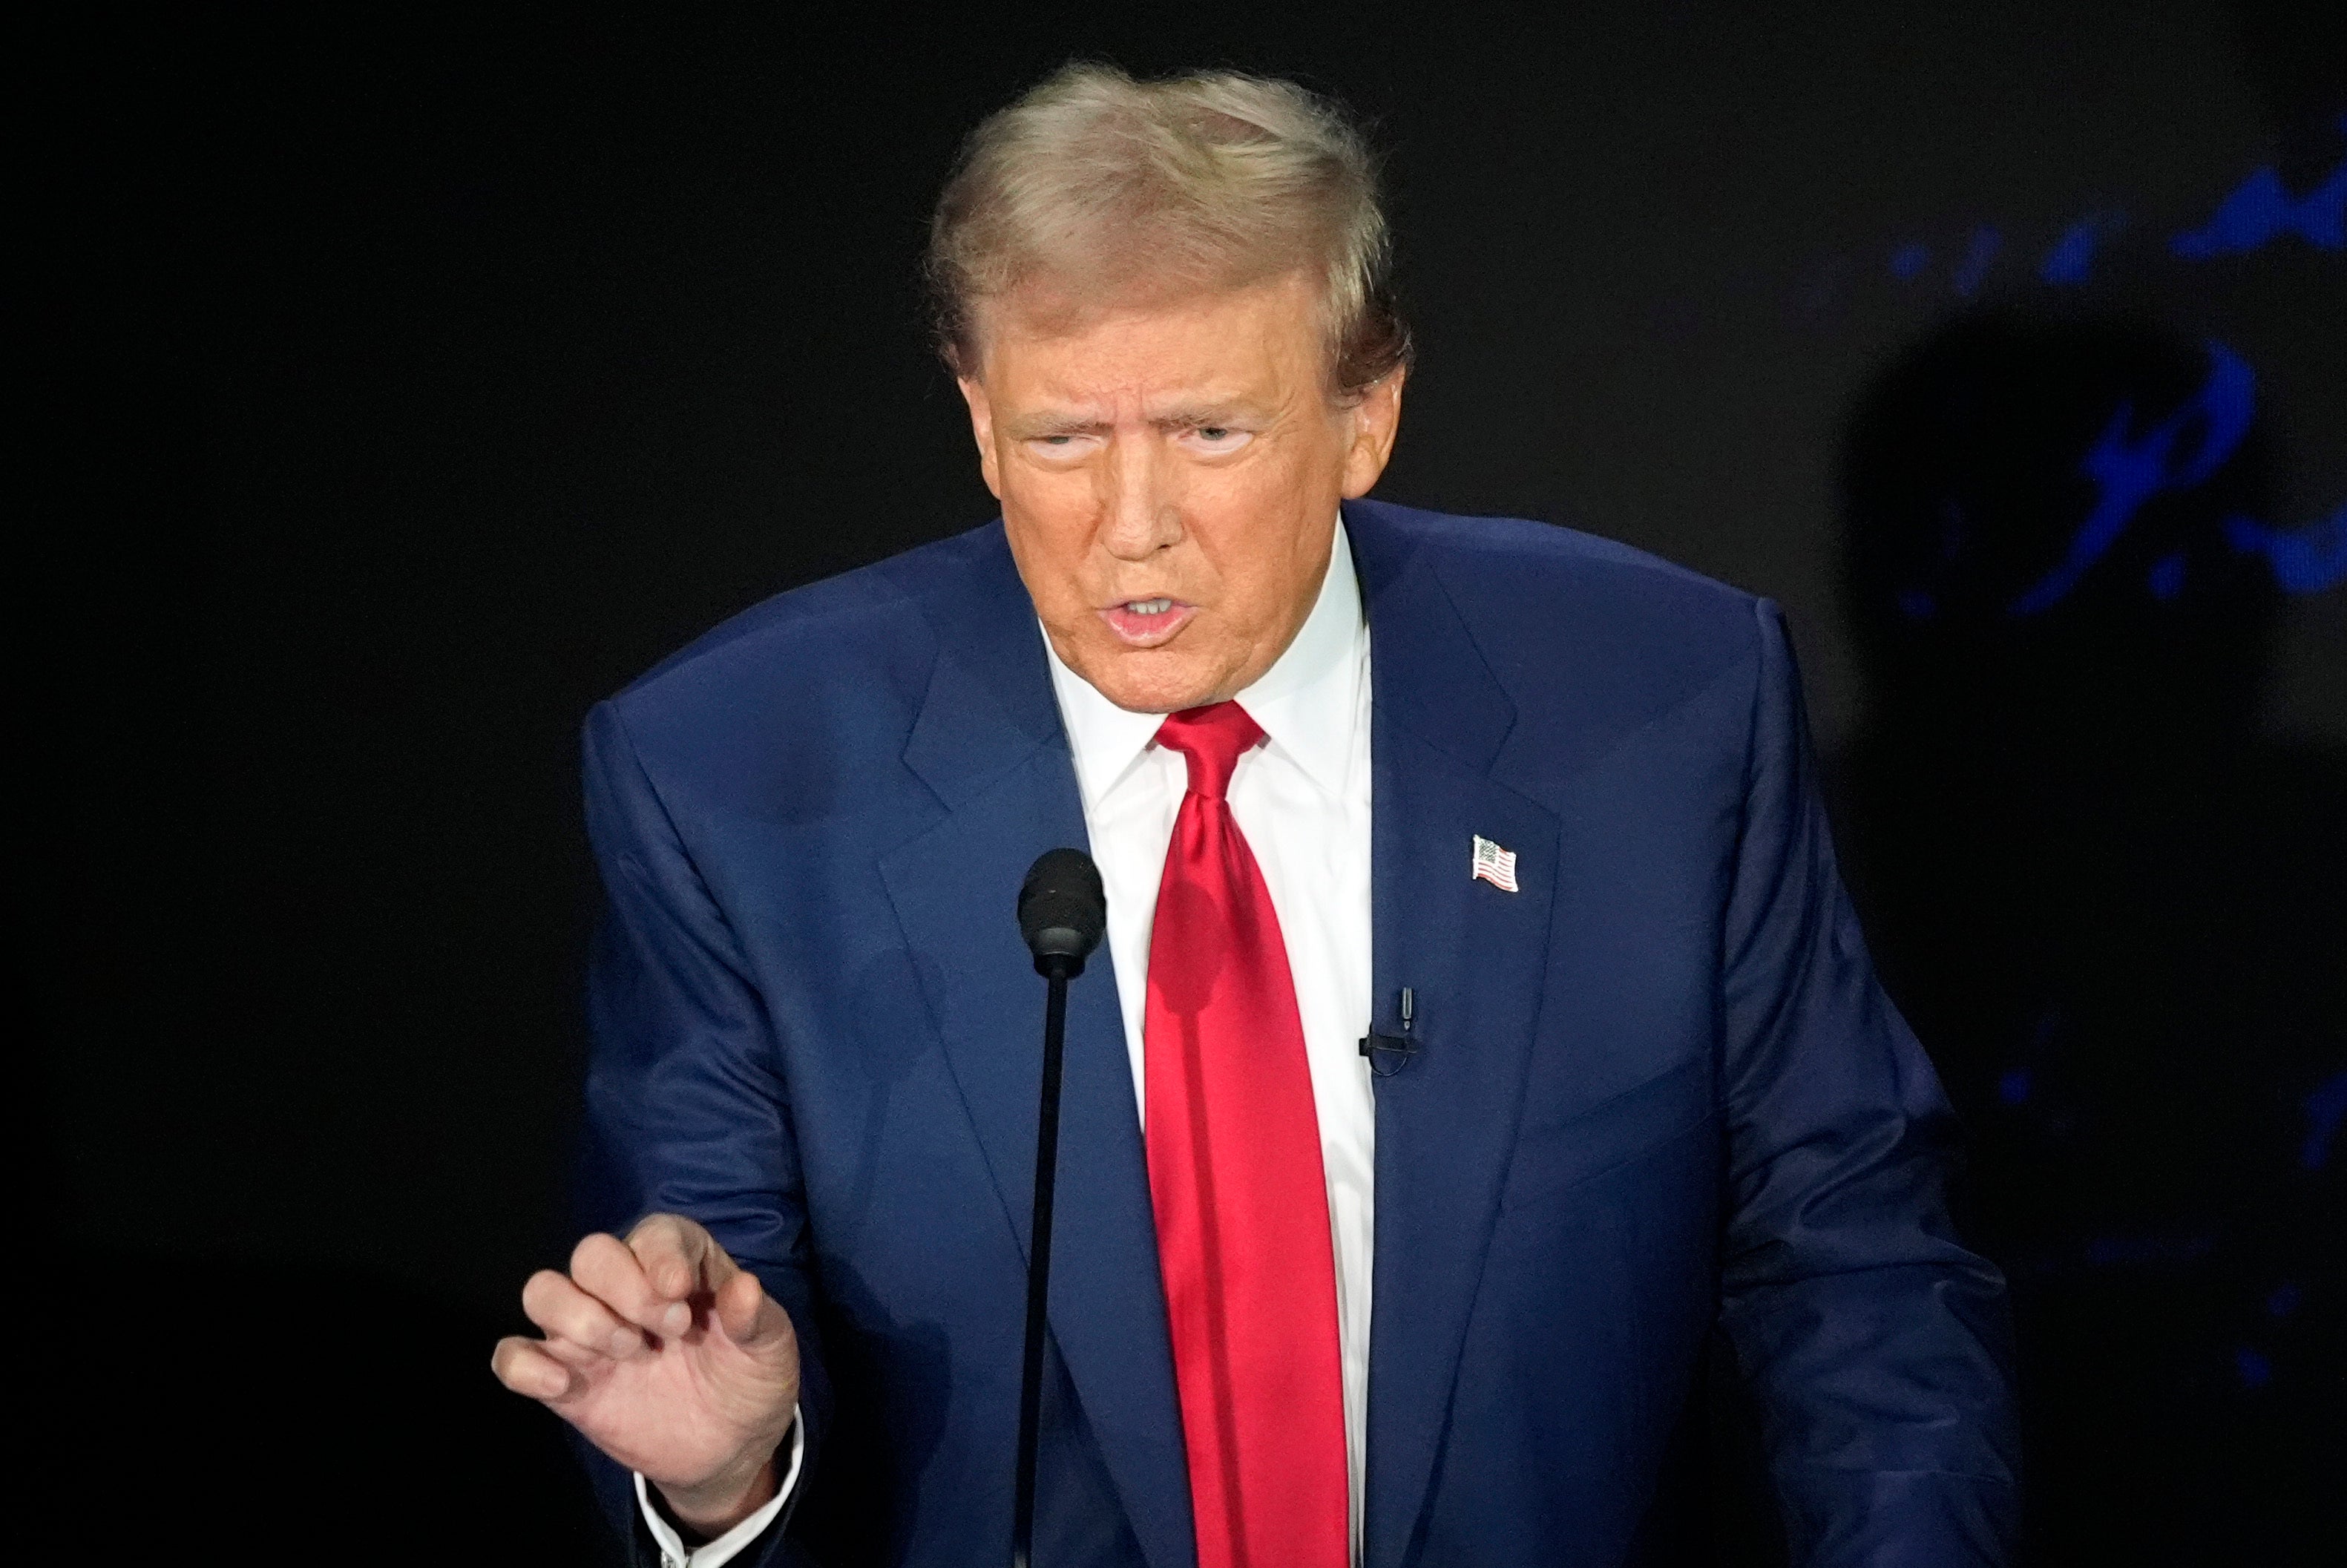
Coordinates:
(1658, 1089)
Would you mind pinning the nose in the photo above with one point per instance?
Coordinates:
(1141, 514)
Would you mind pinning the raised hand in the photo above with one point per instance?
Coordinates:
(670, 1357)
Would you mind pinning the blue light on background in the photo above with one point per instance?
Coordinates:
(2304, 561)
(2324, 1108)
(2129, 472)
(2166, 579)
(2073, 253)
(2259, 211)
(1978, 258)
(2194, 440)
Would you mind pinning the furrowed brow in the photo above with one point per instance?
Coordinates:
(1034, 426)
(1192, 416)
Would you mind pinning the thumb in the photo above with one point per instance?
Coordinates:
(749, 1317)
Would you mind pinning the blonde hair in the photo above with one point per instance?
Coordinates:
(1101, 187)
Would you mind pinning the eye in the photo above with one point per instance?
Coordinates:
(1217, 437)
(1060, 447)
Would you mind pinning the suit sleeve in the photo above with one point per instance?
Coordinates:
(687, 1108)
(1876, 1347)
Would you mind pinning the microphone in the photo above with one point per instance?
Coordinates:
(1062, 912)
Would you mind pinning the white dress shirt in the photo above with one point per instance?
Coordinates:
(1302, 799)
(674, 1553)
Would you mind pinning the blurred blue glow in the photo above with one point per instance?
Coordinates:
(1978, 258)
(1915, 604)
(2324, 1107)
(2255, 1369)
(2130, 473)
(2259, 210)
(2166, 579)
(2283, 1299)
(1910, 258)
(2304, 561)
(2013, 1088)
(2073, 253)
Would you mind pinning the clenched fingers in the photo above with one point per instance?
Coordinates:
(579, 1326)
(524, 1366)
(608, 1269)
(679, 1258)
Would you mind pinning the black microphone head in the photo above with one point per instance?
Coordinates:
(1062, 911)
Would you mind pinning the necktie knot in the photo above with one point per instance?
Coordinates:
(1212, 739)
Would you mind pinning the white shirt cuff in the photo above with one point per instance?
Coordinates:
(712, 1553)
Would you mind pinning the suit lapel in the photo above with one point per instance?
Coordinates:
(989, 743)
(1473, 956)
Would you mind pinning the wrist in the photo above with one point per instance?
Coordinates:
(710, 1508)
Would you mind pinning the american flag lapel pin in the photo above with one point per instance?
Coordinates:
(1495, 865)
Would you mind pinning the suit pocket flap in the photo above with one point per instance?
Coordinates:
(1554, 1152)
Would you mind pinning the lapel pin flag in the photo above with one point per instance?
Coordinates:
(1495, 865)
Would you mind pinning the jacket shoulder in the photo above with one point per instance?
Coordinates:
(1493, 553)
(824, 679)
(1553, 608)
(1607, 656)
(853, 612)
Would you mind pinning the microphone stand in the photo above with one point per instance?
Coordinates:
(1063, 915)
(1039, 1259)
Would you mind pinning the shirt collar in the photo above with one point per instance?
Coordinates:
(1307, 702)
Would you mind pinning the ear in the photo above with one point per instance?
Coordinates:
(1374, 419)
(982, 428)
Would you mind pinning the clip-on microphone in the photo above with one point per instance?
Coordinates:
(1061, 913)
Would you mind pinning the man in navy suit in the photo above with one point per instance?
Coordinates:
(1481, 1025)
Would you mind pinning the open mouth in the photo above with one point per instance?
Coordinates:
(1147, 622)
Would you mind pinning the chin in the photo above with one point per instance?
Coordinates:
(1139, 684)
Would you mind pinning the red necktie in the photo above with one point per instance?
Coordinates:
(1235, 1177)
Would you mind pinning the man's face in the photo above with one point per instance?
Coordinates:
(1168, 477)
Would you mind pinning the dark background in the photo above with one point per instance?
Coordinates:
(403, 383)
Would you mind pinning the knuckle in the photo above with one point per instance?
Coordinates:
(541, 1290)
(659, 1227)
(668, 1250)
(608, 1270)
(678, 1246)
(580, 1317)
(590, 1246)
